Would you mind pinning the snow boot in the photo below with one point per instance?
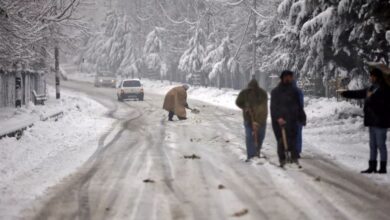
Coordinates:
(383, 167)
(372, 164)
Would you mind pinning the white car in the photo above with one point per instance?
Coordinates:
(130, 89)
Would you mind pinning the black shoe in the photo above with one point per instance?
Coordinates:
(383, 167)
(372, 164)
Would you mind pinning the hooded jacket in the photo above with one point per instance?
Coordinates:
(253, 101)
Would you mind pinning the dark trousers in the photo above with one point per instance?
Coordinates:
(378, 138)
(251, 148)
(291, 133)
(170, 115)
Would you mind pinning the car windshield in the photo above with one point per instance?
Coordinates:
(131, 83)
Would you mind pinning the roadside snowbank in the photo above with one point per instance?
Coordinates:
(220, 97)
(48, 151)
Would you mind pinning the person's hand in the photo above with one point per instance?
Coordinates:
(281, 121)
(341, 91)
(369, 94)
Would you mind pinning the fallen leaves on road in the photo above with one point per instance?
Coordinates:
(193, 157)
(149, 181)
(220, 186)
(318, 179)
(241, 213)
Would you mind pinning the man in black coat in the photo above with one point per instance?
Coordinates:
(376, 117)
(287, 112)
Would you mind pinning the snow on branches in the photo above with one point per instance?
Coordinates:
(192, 59)
(113, 50)
(29, 28)
(323, 36)
(152, 53)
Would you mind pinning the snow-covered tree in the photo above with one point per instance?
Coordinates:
(112, 50)
(329, 37)
(223, 69)
(191, 61)
(153, 59)
(30, 29)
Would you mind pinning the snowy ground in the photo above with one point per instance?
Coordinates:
(220, 97)
(335, 129)
(48, 151)
(146, 146)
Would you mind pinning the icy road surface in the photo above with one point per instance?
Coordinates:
(143, 145)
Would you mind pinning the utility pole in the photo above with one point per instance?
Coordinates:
(254, 41)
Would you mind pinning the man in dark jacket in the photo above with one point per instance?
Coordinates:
(286, 112)
(376, 117)
(254, 104)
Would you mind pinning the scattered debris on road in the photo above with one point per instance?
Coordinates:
(241, 213)
(195, 140)
(149, 181)
(195, 111)
(193, 157)
(220, 186)
(318, 179)
(107, 209)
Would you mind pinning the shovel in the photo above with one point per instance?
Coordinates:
(254, 133)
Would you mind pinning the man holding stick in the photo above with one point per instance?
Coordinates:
(254, 104)
(286, 114)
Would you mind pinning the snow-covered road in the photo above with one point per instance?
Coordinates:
(143, 145)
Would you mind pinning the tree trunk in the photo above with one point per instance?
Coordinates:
(57, 72)
(254, 41)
